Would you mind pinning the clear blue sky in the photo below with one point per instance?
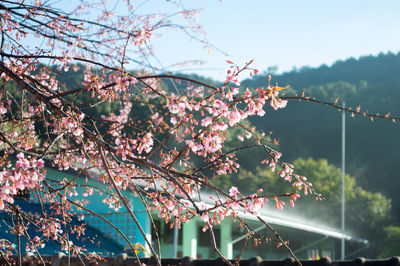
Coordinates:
(285, 33)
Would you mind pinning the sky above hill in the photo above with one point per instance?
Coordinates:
(287, 34)
(284, 33)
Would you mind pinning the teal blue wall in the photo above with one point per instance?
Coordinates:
(121, 219)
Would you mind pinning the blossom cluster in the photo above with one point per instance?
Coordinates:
(26, 174)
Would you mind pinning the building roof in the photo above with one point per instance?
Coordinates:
(287, 222)
(275, 218)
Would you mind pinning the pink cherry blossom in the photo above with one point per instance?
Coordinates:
(233, 191)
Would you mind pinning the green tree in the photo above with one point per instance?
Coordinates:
(366, 212)
(371, 209)
(391, 241)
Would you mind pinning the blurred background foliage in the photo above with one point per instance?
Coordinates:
(309, 136)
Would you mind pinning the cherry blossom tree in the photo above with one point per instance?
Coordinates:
(173, 151)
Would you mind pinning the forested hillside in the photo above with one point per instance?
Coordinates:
(312, 130)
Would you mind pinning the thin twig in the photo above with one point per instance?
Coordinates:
(214, 244)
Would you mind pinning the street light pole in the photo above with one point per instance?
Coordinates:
(343, 177)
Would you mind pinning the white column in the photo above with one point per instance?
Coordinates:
(226, 239)
(189, 242)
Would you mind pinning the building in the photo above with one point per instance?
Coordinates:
(307, 241)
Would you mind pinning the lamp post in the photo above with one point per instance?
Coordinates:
(343, 178)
